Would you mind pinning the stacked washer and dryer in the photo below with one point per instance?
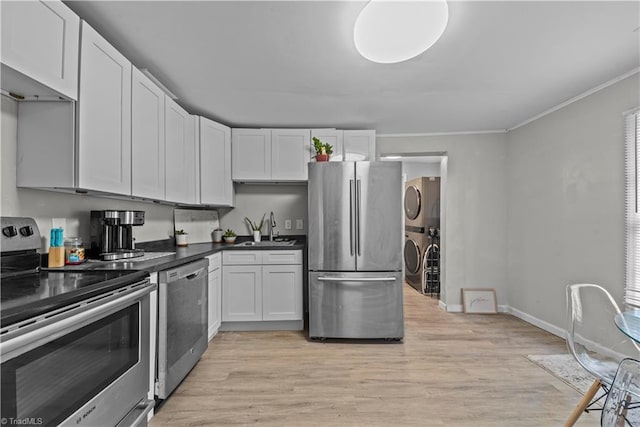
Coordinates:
(422, 234)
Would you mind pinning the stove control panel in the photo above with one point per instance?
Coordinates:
(19, 234)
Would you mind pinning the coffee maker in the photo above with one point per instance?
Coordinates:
(112, 234)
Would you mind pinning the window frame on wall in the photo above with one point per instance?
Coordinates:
(632, 208)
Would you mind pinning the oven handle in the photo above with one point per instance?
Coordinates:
(83, 316)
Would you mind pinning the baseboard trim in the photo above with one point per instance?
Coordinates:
(555, 330)
(457, 308)
(271, 325)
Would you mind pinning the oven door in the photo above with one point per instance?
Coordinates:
(86, 364)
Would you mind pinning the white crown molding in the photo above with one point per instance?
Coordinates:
(577, 98)
(479, 132)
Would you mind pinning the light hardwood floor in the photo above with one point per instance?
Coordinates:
(451, 369)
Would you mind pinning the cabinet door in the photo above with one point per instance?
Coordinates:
(251, 154)
(289, 155)
(215, 294)
(241, 293)
(328, 136)
(41, 40)
(216, 186)
(282, 257)
(282, 292)
(147, 137)
(241, 257)
(104, 116)
(359, 145)
(180, 154)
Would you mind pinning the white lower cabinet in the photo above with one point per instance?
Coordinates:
(242, 293)
(262, 290)
(215, 294)
(281, 292)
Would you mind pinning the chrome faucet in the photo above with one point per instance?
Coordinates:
(272, 223)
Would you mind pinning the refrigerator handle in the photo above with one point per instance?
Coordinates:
(355, 279)
(358, 217)
(351, 216)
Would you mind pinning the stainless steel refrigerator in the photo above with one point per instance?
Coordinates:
(355, 250)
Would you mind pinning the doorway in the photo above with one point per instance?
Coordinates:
(415, 166)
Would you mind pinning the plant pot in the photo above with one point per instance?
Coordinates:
(230, 239)
(322, 157)
(182, 239)
(256, 235)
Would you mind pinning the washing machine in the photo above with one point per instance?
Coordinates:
(422, 262)
(422, 203)
(415, 245)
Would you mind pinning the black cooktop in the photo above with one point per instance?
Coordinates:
(26, 296)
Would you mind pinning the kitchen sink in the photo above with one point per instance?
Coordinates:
(267, 243)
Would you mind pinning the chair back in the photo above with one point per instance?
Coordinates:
(623, 396)
(592, 336)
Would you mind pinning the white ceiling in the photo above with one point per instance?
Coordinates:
(294, 64)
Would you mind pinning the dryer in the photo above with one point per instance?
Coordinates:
(422, 203)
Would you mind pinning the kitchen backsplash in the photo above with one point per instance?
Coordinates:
(254, 200)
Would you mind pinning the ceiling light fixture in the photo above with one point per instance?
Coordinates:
(389, 31)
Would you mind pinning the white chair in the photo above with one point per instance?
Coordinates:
(591, 332)
(623, 396)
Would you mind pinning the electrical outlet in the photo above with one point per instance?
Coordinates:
(287, 224)
(299, 224)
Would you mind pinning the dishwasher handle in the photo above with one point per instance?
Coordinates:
(194, 275)
(188, 271)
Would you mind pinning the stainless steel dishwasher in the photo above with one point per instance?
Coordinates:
(182, 323)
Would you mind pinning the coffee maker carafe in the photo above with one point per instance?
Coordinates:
(112, 234)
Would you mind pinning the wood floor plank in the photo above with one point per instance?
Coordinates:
(451, 369)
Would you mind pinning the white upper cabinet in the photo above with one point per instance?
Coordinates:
(270, 154)
(181, 166)
(147, 138)
(289, 154)
(104, 116)
(216, 186)
(359, 145)
(40, 39)
(327, 136)
(251, 154)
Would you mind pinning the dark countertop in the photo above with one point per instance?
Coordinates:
(31, 295)
(182, 255)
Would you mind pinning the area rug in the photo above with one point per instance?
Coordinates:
(565, 367)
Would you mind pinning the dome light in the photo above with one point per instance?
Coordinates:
(389, 31)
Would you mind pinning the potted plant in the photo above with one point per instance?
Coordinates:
(182, 238)
(217, 235)
(323, 150)
(229, 236)
(256, 227)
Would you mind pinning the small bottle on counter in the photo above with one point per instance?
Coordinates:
(73, 251)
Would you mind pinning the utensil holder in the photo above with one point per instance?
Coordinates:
(56, 257)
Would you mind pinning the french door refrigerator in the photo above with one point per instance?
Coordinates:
(355, 250)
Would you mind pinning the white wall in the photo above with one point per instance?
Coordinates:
(253, 200)
(476, 204)
(417, 169)
(565, 183)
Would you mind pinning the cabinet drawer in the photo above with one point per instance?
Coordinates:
(241, 257)
(215, 261)
(282, 257)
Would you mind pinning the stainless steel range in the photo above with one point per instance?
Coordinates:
(74, 345)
